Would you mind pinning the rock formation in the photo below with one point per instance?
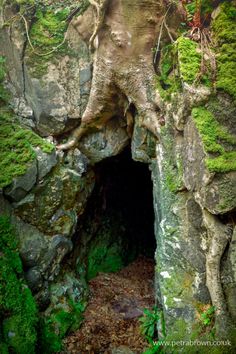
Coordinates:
(137, 77)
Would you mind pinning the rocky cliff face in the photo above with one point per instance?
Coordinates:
(180, 121)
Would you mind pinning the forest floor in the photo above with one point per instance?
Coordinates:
(111, 320)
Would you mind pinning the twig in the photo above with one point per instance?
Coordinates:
(169, 34)
(31, 45)
(160, 35)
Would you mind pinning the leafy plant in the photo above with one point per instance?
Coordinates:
(156, 348)
(208, 316)
(197, 11)
(149, 323)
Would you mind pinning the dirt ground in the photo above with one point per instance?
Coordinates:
(111, 320)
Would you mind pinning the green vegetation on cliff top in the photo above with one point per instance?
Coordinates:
(224, 27)
(18, 312)
(216, 140)
(16, 143)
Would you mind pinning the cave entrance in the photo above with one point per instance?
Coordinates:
(116, 254)
(118, 224)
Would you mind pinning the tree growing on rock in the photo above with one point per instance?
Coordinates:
(123, 37)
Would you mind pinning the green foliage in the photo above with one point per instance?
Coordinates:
(149, 322)
(149, 329)
(189, 59)
(224, 27)
(53, 328)
(155, 348)
(207, 316)
(215, 138)
(191, 8)
(18, 311)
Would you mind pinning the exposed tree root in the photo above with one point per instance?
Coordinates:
(219, 236)
(123, 64)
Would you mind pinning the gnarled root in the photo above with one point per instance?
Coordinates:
(77, 135)
(219, 235)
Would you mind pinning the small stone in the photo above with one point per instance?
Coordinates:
(45, 162)
(22, 184)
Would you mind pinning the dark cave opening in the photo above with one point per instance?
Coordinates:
(118, 223)
(127, 188)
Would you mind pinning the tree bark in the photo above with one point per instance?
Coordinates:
(125, 34)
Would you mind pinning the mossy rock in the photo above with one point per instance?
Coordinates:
(168, 81)
(106, 251)
(189, 59)
(224, 29)
(16, 148)
(55, 326)
(17, 306)
(48, 35)
(16, 142)
(217, 141)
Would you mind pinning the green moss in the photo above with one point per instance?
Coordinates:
(173, 163)
(16, 143)
(53, 328)
(104, 260)
(216, 140)
(16, 148)
(189, 59)
(181, 61)
(107, 251)
(224, 163)
(174, 175)
(168, 81)
(47, 37)
(47, 34)
(18, 311)
(104, 257)
(4, 95)
(224, 27)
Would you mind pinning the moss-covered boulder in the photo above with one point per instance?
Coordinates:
(65, 313)
(210, 168)
(18, 312)
(224, 29)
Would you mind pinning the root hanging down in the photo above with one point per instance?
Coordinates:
(219, 235)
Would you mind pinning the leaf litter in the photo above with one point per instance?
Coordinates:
(111, 319)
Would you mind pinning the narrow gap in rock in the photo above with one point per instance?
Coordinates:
(115, 247)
